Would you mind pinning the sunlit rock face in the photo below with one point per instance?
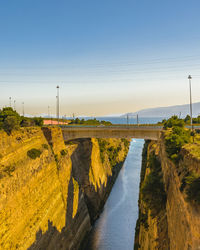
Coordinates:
(177, 224)
(49, 200)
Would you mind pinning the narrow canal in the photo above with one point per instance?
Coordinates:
(115, 228)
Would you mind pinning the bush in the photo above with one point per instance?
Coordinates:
(45, 146)
(152, 190)
(10, 123)
(27, 122)
(175, 140)
(174, 121)
(193, 188)
(9, 169)
(38, 121)
(34, 153)
(63, 152)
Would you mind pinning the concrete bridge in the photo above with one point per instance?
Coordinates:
(123, 131)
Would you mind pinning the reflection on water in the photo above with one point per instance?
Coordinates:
(115, 228)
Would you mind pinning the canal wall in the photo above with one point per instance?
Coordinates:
(52, 191)
(167, 219)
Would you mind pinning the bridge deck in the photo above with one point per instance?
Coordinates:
(142, 132)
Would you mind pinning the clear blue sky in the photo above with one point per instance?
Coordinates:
(108, 56)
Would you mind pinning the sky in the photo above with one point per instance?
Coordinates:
(107, 56)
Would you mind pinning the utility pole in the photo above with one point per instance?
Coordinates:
(23, 109)
(10, 102)
(14, 105)
(137, 120)
(58, 103)
(190, 87)
(127, 120)
(48, 112)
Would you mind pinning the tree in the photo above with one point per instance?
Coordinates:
(38, 121)
(187, 119)
(174, 121)
(10, 123)
(27, 122)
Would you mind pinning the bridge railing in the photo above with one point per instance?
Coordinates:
(116, 126)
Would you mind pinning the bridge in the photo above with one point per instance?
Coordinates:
(121, 131)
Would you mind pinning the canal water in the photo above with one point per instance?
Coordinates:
(115, 229)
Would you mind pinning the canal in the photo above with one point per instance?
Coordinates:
(115, 228)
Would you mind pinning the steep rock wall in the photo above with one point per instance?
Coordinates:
(49, 202)
(179, 221)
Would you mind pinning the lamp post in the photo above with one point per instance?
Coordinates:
(23, 109)
(190, 87)
(14, 105)
(57, 103)
(10, 102)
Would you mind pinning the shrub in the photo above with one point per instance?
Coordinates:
(10, 123)
(63, 152)
(174, 121)
(45, 146)
(56, 158)
(193, 188)
(34, 153)
(9, 169)
(174, 141)
(38, 121)
(152, 190)
(27, 122)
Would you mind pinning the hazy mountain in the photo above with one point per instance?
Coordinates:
(182, 110)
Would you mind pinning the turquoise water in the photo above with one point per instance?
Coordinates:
(115, 228)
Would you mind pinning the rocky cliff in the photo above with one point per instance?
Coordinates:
(51, 191)
(167, 218)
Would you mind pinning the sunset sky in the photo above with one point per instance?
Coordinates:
(107, 56)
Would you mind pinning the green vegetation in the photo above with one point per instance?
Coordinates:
(191, 185)
(63, 152)
(196, 120)
(112, 155)
(8, 170)
(90, 122)
(34, 153)
(10, 120)
(45, 146)
(175, 138)
(111, 151)
(38, 121)
(152, 190)
(174, 121)
(102, 147)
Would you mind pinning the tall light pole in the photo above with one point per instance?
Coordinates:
(10, 102)
(127, 119)
(137, 120)
(190, 87)
(23, 108)
(48, 112)
(15, 105)
(58, 103)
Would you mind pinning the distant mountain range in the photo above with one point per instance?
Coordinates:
(165, 112)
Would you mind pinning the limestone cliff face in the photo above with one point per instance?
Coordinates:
(48, 200)
(177, 225)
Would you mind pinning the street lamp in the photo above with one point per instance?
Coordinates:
(10, 102)
(190, 78)
(15, 105)
(23, 109)
(57, 103)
